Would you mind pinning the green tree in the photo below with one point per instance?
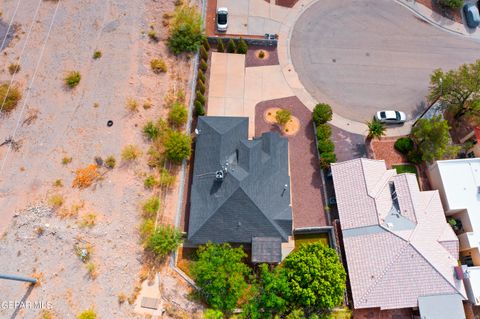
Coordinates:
(283, 116)
(177, 115)
(316, 277)
(164, 240)
(199, 110)
(453, 4)
(376, 129)
(326, 159)
(458, 89)
(203, 53)
(177, 146)
(404, 145)
(324, 131)
(212, 314)
(242, 46)
(220, 45)
(186, 30)
(231, 47)
(220, 273)
(433, 139)
(270, 294)
(322, 113)
(206, 45)
(325, 146)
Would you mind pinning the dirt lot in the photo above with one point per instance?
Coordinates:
(73, 123)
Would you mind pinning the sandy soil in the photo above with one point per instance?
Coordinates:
(68, 125)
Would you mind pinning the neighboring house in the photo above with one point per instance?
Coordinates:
(458, 182)
(240, 191)
(400, 251)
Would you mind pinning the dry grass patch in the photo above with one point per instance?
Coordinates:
(9, 97)
(84, 177)
(66, 160)
(13, 68)
(56, 201)
(131, 105)
(88, 220)
(91, 270)
(131, 153)
(158, 66)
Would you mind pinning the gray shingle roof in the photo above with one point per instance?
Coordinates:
(252, 200)
(266, 250)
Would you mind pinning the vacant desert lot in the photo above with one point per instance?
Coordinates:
(53, 122)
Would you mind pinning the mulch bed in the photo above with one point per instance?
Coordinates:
(383, 150)
(306, 180)
(433, 5)
(252, 60)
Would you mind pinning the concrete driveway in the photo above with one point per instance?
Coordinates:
(365, 55)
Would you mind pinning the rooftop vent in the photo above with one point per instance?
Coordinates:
(219, 175)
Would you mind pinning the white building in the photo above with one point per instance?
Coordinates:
(458, 182)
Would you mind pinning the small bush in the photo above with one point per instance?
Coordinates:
(151, 131)
(150, 182)
(322, 113)
(242, 46)
(186, 30)
(414, 156)
(261, 54)
(325, 146)
(92, 270)
(150, 207)
(199, 109)
(231, 47)
(13, 68)
(453, 4)
(326, 159)
(404, 145)
(58, 183)
(131, 105)
(203, 65)
(177, 116)
(66, 160)
(153, 35)
(283, 116)
(166, 179)
(324, 131)
(155, 158)
(122, 298)
(158, 66)
(88, 220)
(147, 104)
(203, 53)
(9, 97)
(87, 314)
(201, 76)
(164, 240)
(110, 162)
(205, 44)
(56, 201)
(97, 55)
(200, 98)
(146, 228)
(72, 79)
(220, 45)
(201, 86)
(177, 146)
(131, 153)
(84, 177)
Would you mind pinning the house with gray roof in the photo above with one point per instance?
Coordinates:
(240, 190)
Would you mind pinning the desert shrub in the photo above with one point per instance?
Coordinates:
(131, 153)
(404, 145)
(9, 97)
(56, 201)
(177, 116)
(72, 79)
(327, 158)
(164, 240)
(152, 35)
(205, 44)
(131, 105)
(220, 45)
(231, 47)
(87, 314)
(151, 131)
(110, 162)
(14, 68)
(453, 4)
(201, 86)
(325, 146)
(58, 183)
(66, 160)
(88, 220)
(158, 66)
(203, 53)
(97, 54)
(92, 270)
(84, 177)
(166, 179)
(150, 182)
(186, 30)
(203, 65)
(201, 76)
(322, 113)
(242, 46)
(324, 131)
(200, 98)
(147, 226)
(261, 54)
(155, 158)
(150, 207)
(283, 116)
(199, 110)
(177, 146)
(147, 104)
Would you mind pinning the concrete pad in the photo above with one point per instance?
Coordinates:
(259, 8)
(235, 7)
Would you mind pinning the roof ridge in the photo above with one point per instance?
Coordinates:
(364, 180)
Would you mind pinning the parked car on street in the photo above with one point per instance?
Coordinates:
(222, 19)
(391, 117)
(472, 16)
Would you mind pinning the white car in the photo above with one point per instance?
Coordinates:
(391, 117)
(222, 19)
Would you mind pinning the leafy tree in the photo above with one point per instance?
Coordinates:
(199, 110)
(177, 146)
(220, 45)
(322, 113)
(283, 116)
(164, 240)
(433, 139)
(270, 294)
(231, 47)
(186, 30)
(212, 314)
(296, 314)
(177, 115)
(316, 277)
(458, 89)
(453, 4)
(324, 131)
(242, 46)
(220, 273)
(325, 146)
(376, 129)
(326, 159)
(404, 145)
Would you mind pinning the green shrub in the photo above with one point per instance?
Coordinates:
(322, 113)
(10, 97)
(166, 179)
(212, 314)
(131, 153)
(199, 110)
(231, 47)
(376, 129)
(153, 35)
(200, 97)
(326, 159)
(325, 146)
(203, 65)
(205, 44)
(150, 182)
(87, 314)
(186, 30)
(203, 53)
(97, 55)
(404, 145)
(201, 86)
(177, 116)
(151, 131)
(72, 79)
(177, 146)
(201, 76)
(164, 240)
(158, 66)
(283, 116)
(110, 162)
(324, 131)
(453, 4)
(146, 228)
(150, 207)
(261, 54)
(414, 156)
(242, 46)
(220, 45)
